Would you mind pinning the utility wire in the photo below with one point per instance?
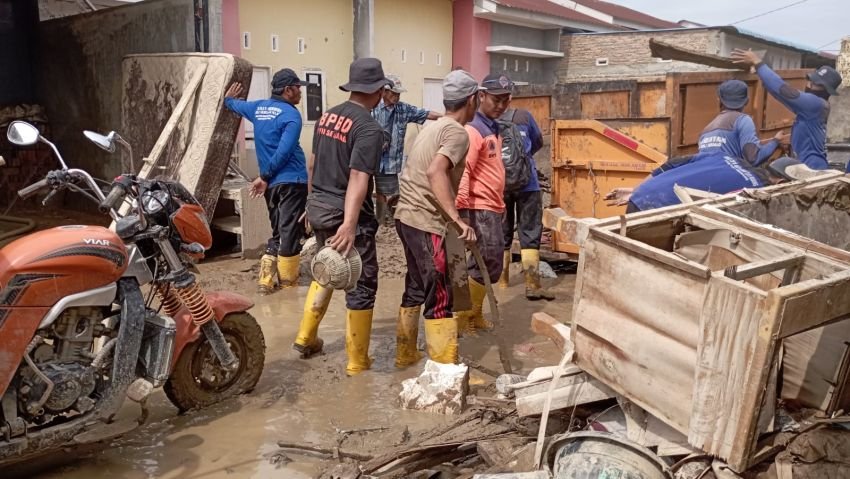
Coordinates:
(830, 43)
(769, 12)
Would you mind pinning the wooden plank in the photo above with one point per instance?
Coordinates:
(559, 333)
(758, 268)
(813, 303)
(729, 322)
(576, 390)
(253, 212)
(229, 224)
(648, 431)
(667, 51)
(641, 249)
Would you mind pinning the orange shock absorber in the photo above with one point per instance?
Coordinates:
(196, 301)
(171, 303)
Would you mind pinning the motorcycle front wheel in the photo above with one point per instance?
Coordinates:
(199, 381)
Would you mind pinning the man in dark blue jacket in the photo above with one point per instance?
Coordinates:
(283, 173)
(524, 210)
(808, 135)
(733, 132)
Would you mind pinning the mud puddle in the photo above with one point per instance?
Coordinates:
(296, 401)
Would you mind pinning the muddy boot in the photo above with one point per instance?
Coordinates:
(288, 268)
(380, 209)
(464, 324)
(308, 342)
(407, 330)
(441, 340)
(530, 266)
(477, 293)
(504, 279)
(358, 329)
(392, 201)
(267, 274)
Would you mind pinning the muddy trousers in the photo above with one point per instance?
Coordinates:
(488, 229)
(427, 281)
(523, 212)
(286, 203)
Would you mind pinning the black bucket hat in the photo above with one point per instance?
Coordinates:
(733, 94)
(827, 77)
(365, 75)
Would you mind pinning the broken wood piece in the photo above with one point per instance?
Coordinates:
(790, 261)
(573, 390)
(667, 51)
(545, 325)
(322, 452)
(478, 366)
(500, 452)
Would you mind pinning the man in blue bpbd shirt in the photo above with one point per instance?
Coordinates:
(283, 173)
(808, 135)
(733, 132)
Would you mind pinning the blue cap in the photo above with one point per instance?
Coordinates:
(733, 94)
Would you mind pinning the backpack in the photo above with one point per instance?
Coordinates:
(517, 166)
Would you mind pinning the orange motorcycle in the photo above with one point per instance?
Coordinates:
(90, 316)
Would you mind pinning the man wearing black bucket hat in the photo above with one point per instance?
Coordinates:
(808, 135)
(733, 132)
(283, 173)
(347, 146)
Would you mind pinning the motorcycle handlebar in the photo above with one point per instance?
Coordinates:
(32, 189)
(114, 199)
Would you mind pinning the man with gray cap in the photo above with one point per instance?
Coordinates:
(733, 132)
(394, 115)
(433, 172)
(347, 146)
(808, 134)
(283, 173)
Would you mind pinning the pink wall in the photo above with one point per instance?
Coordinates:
(232, 41)
(470, 39)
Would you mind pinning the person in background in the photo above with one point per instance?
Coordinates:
(394, 115)
(733, 132)
(808, 134)
(346, 151)
(524, 210)
(432, 173)
(480, 197)
(283, 173)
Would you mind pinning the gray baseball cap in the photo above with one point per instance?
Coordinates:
(396, 87)
(458, 85)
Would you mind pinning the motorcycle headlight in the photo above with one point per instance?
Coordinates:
(154, 201)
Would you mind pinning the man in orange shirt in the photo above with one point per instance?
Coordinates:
(480, 199)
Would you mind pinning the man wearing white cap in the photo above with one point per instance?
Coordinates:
(433, 172)
(394, 115)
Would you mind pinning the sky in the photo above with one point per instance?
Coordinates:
(818, 24)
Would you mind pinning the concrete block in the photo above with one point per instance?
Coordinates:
(441, 388)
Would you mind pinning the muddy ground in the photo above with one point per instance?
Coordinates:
(300, 401)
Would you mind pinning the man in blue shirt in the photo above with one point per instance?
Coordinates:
(394, 116)
(733, 132)
(808, 135)
(524, 209)
(712, 172)
(283, 173)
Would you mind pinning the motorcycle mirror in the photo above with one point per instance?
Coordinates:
(104, 142)
(22, 133)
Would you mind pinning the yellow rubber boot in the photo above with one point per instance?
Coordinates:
(504, 279)
(358, 329)
(308, 341)
(464, 324)
(267, 274)
(288, 268)
(477, 292)
(407, 330)
(441, 340)
(531, 268)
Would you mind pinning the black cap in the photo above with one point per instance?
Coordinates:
(733, 94)
(365, 75)
(285, 78)
(496, 84)
(826, 77)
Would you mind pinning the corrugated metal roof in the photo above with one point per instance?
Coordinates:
(548, 8)
(625, 13)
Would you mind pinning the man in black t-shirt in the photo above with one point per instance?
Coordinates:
(347, 145)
